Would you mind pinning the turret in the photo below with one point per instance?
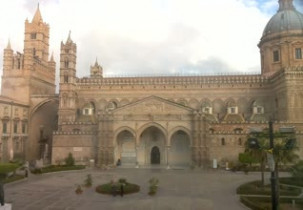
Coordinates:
(68, 58)
(8, 58)
(36, 40)
(96, 71)
(67, 95)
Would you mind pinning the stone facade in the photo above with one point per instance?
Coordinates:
(171, 121)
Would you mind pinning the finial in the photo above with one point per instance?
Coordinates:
(96, 63)
(8, 44)
(286, 5)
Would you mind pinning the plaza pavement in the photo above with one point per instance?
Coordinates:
(178, 190)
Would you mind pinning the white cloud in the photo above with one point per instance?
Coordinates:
(147, 36)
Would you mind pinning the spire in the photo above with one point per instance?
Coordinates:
(37, 17)
(68, 38)
(286, 5)
(8, 45)
(96, 63)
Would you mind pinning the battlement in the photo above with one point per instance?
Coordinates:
(174, 80)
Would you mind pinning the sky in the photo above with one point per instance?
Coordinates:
(148, 37)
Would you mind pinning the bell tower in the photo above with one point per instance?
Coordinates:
(29, 73)
(67, 94)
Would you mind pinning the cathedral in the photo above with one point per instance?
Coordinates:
(168, 121)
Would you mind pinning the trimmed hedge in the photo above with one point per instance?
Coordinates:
(292, 181)
(8, 167)
(108, 188)
(56, 168)
(264, 203)
(255, 188)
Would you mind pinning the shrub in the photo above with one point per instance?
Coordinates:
(122, 181)
(108, 188)
(78, 189)
(153, 186)
(70, 160)
(88, 182)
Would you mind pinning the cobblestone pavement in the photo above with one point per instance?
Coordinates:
(178, 189)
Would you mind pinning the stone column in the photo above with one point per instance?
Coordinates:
(137, 162)
(167, 157)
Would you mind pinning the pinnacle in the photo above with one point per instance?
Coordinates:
(37, 17)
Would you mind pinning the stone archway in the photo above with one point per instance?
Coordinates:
(126, 148)
(43, 121)
(180, 149)
(151, 149)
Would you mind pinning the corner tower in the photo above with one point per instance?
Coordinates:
(281, 45)
(30, 73)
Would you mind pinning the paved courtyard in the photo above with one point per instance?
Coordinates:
(178, 189)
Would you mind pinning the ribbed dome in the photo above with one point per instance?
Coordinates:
(286, 19)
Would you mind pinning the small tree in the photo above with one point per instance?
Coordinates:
(70, 160)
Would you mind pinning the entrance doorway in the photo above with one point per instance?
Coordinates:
(155, 155)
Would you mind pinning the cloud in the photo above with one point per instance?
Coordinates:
(143, 37)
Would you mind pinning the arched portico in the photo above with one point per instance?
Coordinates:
(125, 149)
(180, 153)
(152, 147)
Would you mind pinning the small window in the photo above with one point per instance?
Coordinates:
(33, 35)
(276, 56)
(4, 127)
(15, 127)
(23, 128)
(65, 79)
(223, 141)
(66, 64)
(298, 53)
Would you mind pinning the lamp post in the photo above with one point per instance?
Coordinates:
(289, 145)
(273, 177)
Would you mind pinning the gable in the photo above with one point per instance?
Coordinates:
(155, 106)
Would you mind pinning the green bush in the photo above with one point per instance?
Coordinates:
(70, 160)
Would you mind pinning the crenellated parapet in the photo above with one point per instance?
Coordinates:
(175, 80)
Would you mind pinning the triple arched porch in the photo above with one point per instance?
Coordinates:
(152, 144)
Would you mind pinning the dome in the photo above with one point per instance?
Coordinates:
(286, 19)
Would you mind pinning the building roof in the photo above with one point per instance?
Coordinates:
(287, 19)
